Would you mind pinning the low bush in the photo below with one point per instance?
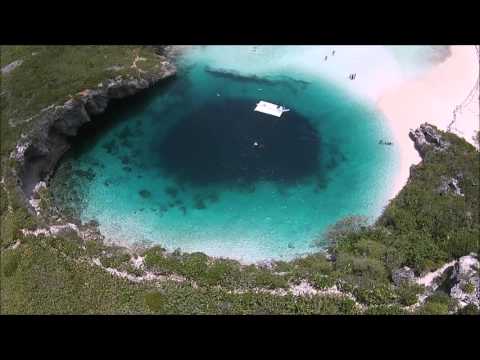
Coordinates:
(408, 293)
(10, 261)
(155, 301)
(470, 309)
(375, 294)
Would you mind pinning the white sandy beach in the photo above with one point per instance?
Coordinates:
(432, 97)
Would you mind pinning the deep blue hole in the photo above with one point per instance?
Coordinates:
(225, 141)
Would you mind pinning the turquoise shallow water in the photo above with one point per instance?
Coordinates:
(133, 181)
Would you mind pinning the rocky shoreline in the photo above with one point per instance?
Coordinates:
(38, 152)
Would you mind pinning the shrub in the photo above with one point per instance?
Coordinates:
(361, 266)
(10, 261)
(327, 305)
(155, 301)
(316, 263)
(470, 309)
(222, 272)
(265, 279)
(3, 200)
(68, 243)
(321, 282)
(12, 223)
(385, 310)
(94, 248)
(370, 248)
(376, 294)
(433, 308)
(468, 287)
(194, 265)
(116, 260)
(341, 229)
(396, 255)
(408, 293)
(156, 259)
(283, 266)
(439, 297)
(439, 303)
(423, 254)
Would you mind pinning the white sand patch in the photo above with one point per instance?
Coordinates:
(302, 289)
(53, 230)
(433, 97)
(148, 276)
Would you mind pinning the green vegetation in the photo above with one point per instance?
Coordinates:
(385, 310)
(470, 309)
(408, 293)
(433, 228)
(12, 222)
(155, 301)
(437, 304)
(420, 228)
(10, 260)
(199, 268)
(468, 287)
(53, 74)
(47, 281)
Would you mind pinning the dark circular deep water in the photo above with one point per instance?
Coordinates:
(224, 141)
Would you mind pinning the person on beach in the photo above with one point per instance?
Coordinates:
(333, 52)
(326, 58)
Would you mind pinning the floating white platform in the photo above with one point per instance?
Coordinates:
(271, 109)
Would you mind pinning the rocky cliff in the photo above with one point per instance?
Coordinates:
(426, 138)
(466, 289)
(38, 151)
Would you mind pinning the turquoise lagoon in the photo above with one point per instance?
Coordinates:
(176, 165)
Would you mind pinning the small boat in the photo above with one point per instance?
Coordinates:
(271, 109)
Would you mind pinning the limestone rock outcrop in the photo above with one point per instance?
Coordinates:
(467, 281)
(403, 275)
(38, 152)
(426, 138)
(9, 67)
(451, 185)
